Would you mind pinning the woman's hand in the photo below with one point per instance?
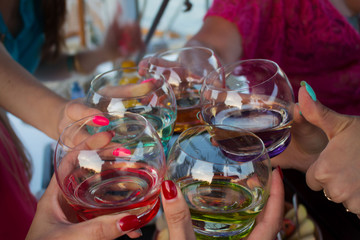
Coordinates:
(52, 214)
(307, 142)
(122, 38)
(177, 212)
(72, 111)
(269, 221)
(337, 167)
(51, 219)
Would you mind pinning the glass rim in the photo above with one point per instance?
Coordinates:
(237, 63)
(234, 163)
(170, 51)
(88, 118)
(101, 75)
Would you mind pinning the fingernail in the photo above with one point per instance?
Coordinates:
(100, 120)
(280, 172)
(121, 152)
(138, 231)
(130, 222)
(169, 189)
(309, 90)
(148, 80)
(112, 133)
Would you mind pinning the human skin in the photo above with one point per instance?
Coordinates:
(325, 146)
(353, 5)
(25, 97)
(336, 170)
(51, 221)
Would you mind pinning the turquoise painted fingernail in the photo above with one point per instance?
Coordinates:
(309, 90)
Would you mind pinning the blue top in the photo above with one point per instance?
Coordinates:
(25, 48)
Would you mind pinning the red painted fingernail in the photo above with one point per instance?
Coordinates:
(148, 80)
(121, 152)
(280, 172)
(128, 223)
(100, 120)
(169, 189)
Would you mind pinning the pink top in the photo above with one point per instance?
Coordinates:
(17, 204)
(309, 39)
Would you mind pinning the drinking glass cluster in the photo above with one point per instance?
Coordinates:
(231, 119)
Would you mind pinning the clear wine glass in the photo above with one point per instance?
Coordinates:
(123, 89)
(254, 95)
(185, 69)
(117, 168)
(224, 174)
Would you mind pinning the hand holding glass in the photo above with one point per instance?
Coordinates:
(224, 174)
(111, 169)
(124, 90)
(254, 95)
(185, 69)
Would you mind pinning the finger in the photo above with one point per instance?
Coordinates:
(76, 110)
(49, 211)
(314, 176)
(162, 63)
(176, 212)
(319, 115)
(48, 203)
(353, 203)
(105, 227)
(79, 138)
(331, 171)
(307, 142)
(128, 91)
(269, 221)
(314, 136)
(143, 66)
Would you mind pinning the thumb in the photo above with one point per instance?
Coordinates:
(105, 227)
(176, 212)
(319, 115)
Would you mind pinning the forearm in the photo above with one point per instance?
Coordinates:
(82, 63)
(87, 61)
(221, 36)
(25, 97)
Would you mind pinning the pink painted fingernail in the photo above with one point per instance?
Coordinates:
(148, 80)
(121, 152)
(100, 120)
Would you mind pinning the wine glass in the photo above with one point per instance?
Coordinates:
(123, 89)
(116, 168)
(185, 69)
(254, 95)
(224, 174)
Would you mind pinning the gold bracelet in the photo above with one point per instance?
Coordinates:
(77, 66)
